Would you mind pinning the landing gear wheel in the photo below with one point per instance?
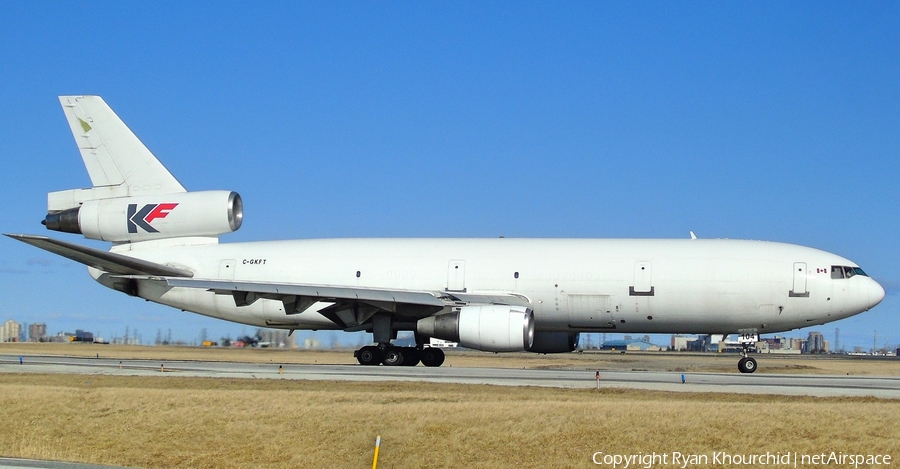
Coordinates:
(747, 365)
(393, 357)
(368, 355)
(411, 356)
(432, 356)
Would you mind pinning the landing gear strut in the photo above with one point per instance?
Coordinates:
(748, 339)
(746, 364)
(399, 356)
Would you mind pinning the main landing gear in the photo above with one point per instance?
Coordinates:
(399, 356)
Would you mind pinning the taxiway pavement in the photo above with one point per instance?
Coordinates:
(759, 383)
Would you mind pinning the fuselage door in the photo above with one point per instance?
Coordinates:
(226, 269)
(456, 276)
(225, 303)
(799, 289)
(643, 280)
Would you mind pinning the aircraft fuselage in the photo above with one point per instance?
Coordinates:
(575, 285)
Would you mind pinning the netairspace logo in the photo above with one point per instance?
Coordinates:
(721, 458)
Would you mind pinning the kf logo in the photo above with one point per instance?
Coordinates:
(146, 215)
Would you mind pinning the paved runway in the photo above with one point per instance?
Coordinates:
(793, 384)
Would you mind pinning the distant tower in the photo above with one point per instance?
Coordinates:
(837, 339)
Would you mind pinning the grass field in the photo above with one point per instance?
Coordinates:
(169, 421)
(197, 422)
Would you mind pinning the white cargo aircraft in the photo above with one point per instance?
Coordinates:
(501, 295)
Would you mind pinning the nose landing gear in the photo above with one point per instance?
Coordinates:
(747, 339)
(747, 365)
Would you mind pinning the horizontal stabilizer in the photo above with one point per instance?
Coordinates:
(102, 260)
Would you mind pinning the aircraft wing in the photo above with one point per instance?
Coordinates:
(320, 292)
(351, 308)
(102, 260)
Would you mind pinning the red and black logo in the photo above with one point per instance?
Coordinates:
(146, 215)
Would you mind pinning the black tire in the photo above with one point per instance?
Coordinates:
(432, 356)
(747, 365)
(750, 365)
(368, 355)
(411, 356)
(393, 357)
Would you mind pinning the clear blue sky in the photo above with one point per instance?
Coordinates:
(762, 120)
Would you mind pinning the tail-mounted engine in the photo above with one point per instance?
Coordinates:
(142, 218)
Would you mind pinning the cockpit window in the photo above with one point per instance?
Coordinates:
(843, 271)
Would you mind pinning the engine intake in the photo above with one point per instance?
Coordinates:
(127, 219)
(492, 328)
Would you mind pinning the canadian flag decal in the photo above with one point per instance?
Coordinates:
(143, 217)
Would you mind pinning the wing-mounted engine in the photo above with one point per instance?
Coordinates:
(492, 328)
(142, 218)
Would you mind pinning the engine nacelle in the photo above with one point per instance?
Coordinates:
(127, 219)
(554, 342)
(492, 328)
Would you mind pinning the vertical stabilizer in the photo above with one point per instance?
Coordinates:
(114, 157)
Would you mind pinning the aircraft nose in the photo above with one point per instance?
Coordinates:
(876, 294)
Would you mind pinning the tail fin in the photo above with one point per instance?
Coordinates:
(118, 163)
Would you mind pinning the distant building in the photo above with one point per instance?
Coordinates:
(59, 337)
(701, 343)
(83, 336)
(681, 343)
(37, 332)
(815, 343)
(630, 345)
(10, 331)
(779, 345)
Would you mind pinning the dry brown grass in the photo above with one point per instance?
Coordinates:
(197, 422)
(604, 361)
